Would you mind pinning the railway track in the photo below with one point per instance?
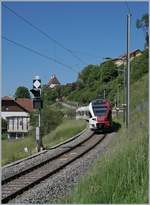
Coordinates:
(26, 179)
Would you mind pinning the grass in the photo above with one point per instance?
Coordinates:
(139, 92)
(121, 174)
(64, 131)
(59, 106)
(13, 150)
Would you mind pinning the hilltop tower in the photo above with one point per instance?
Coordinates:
(53, 82)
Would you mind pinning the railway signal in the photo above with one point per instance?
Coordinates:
(36, 83)
(36, 91)
(38, 105)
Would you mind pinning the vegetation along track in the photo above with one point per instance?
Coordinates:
(17, 184)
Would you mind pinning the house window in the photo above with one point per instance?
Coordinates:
(21, 123)
(27, 123)
(13, 122)
(17, 123)
(10, 123)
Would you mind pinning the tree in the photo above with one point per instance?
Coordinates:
(89, 74)
(108, 71)
(143, 24)
(4, 125)
(22, 92)
(49, 95)
(50, 119)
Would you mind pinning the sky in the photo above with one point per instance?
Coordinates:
(90, 31)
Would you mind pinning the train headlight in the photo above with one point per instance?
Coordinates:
(94, 119)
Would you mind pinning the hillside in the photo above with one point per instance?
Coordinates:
(94, 80)
(121, 174)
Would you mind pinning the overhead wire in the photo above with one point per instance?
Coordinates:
(38, 53)
(45, 34)
(87, 54)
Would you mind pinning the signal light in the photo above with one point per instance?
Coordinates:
(36, 93)
(37, 102)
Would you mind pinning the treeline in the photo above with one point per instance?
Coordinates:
(95, 81)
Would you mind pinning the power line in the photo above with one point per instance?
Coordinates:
(44, 33)
(38, 53)
(87, 53)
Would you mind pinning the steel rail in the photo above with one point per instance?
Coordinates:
(44, 151)
(19, 184)
(60, 149)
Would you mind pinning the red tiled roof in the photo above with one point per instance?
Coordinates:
(26, 103)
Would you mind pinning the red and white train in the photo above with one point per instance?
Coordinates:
(98, 113)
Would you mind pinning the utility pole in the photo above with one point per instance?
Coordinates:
(118, 97)
(104, 93)
(124, 89)
(128, 71)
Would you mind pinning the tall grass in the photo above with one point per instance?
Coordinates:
(121, 174)
(13, 150)
(66, 130)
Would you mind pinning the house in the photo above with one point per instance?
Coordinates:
(121, 59)
(26, 103)
(17, 115)
(53, 82)
(117, 61)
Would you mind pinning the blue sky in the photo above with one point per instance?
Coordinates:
(92, 30)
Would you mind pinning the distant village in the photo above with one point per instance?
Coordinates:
(17, 111)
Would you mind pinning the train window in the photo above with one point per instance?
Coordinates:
(99, 111)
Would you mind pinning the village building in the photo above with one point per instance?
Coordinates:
(122, 59)
(17, 114)
(26, 103)
(53, 82)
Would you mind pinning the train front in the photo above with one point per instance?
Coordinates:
(100, 115)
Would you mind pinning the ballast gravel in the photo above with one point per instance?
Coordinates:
(61, 184)
(22, 165)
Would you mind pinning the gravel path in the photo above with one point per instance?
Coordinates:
(55, 187)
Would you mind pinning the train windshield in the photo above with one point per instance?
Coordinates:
(99, 110)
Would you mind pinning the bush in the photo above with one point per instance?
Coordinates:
(109, 71)
(4, 136)
(139, 66)
(4, 125)
(50, 119)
